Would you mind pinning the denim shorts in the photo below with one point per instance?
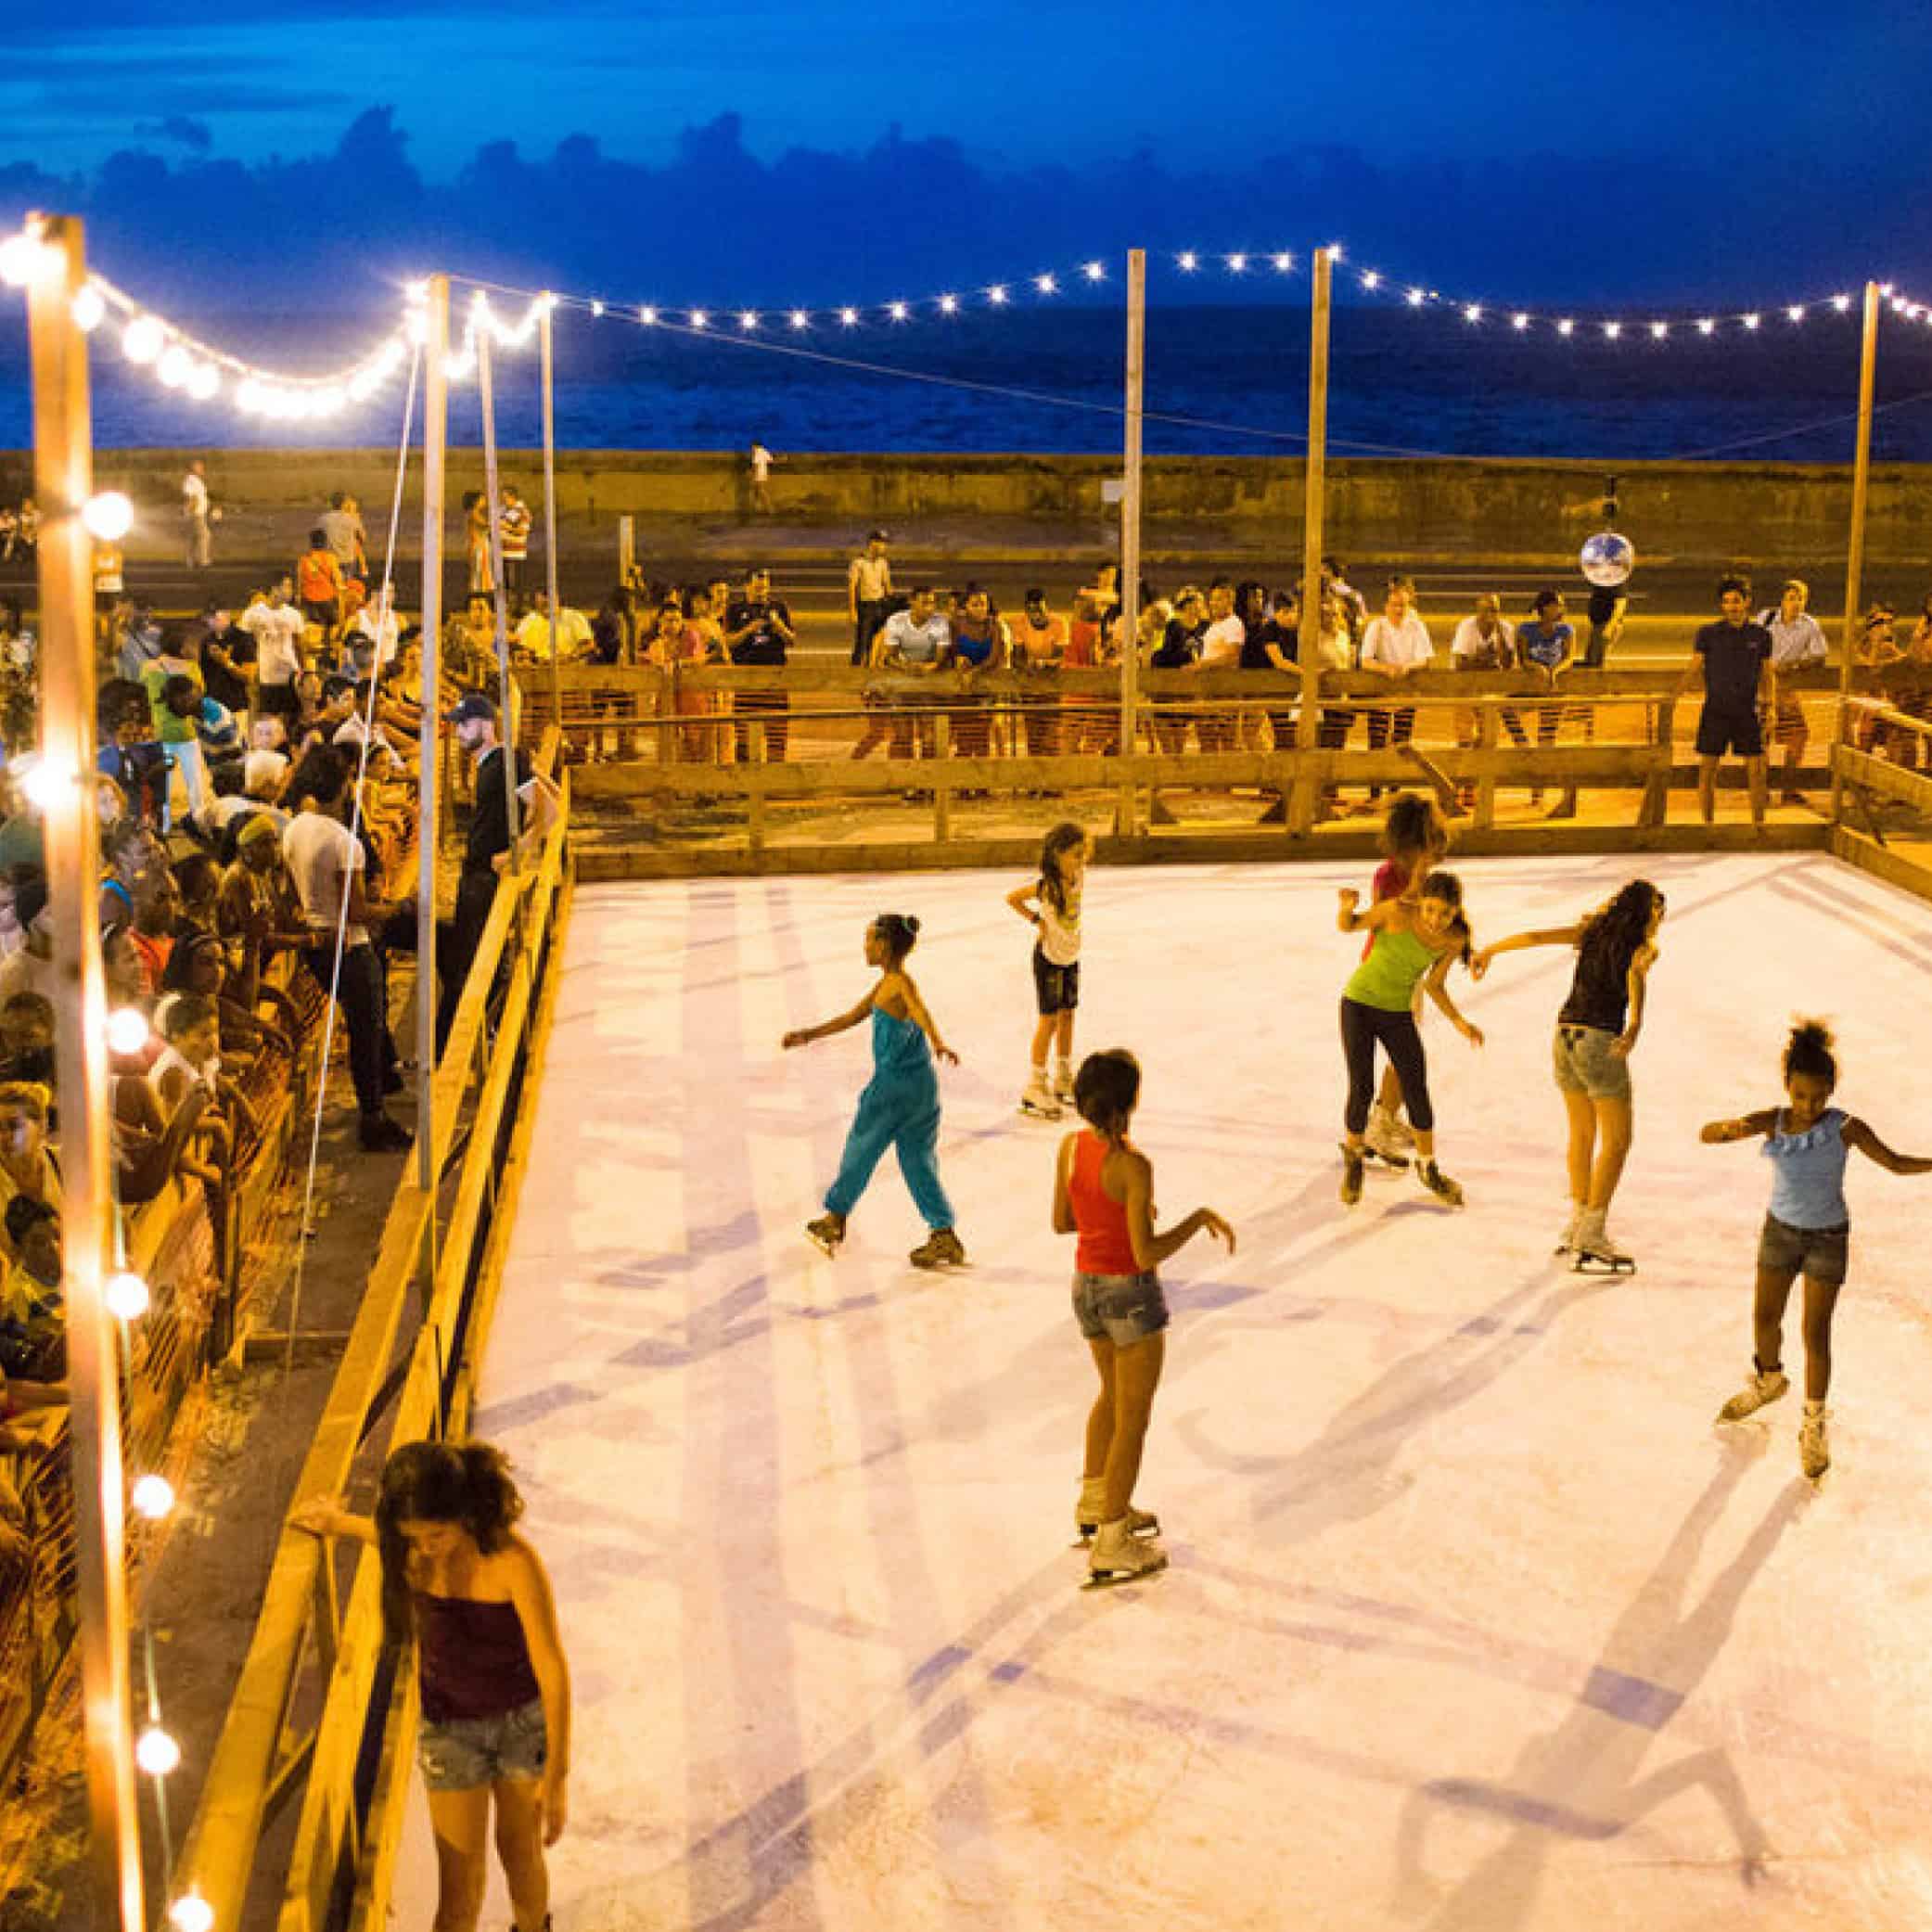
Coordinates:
(465, 1752)
(1121, 1308)
(1823, 1254)
(1582, 1062)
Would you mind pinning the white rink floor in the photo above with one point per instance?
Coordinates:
(1474, 1621)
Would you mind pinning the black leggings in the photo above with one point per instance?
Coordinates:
(1402, 1040)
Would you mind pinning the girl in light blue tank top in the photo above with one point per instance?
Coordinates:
(900, 1107)
(1808, 1230)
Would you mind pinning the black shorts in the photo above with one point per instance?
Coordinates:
(1719, 732)
(325, 611)
(1055, 987)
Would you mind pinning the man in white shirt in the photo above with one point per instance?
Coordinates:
(195, 514)
(1796, 643)
(573, 632)
(326, 864)
(1220, 650)
(1395, 645)
(917, 640)
(868, 585)
(276, 624)
(761, 460)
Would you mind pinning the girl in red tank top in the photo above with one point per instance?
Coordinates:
(1103, 1193)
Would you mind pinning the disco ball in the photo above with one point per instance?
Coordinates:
(1608, 558)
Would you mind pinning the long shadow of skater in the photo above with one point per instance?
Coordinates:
(1583, 1779)
(1347, 1472)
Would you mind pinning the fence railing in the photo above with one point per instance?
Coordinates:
(315, 1693)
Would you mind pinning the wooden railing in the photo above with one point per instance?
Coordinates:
(317, 1732)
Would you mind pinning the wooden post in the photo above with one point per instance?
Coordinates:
(549, 372)
(755, 798)
(63, 481)
(1488, 739)
(1301, 806)
(1855, 548)
(1130, 536)
(626, 546)
(941, 795)
(487, 396)
(436, 421)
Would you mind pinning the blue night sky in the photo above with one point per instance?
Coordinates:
(865, 143)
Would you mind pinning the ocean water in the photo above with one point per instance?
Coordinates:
(1218, 380)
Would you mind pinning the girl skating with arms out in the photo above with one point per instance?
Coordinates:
(495, 1731)
(900, 1107)
(1596, 1031)
(1052, 904)
(1414, 841)
(1808, 1230)
(1414, 942)
(1103, 1193)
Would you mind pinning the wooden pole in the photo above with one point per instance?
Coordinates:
(1301, 810)
(63, 481)
(549, 369)
(1855, 548)
(486, 394)
(436, 423)
(1130, 525)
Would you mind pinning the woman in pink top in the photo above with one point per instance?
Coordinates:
(1104, 1191)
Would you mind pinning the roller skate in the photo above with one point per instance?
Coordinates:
(1093, 1500)
(1440, 1184)
(1116, 1555)
(1387, 1140)
(1567, 1241)
(1595, 1252)
(826, 1233)
(1037, 1099)
(942, 1249)
(1765, 1385)
(1063, 1082)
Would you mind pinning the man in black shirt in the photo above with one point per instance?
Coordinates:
(1732, 656)
(487, 848)
(1609, 607)
(228, 662)
(758, 630)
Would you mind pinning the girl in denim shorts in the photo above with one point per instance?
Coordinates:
(495, 1689)
(1103, 1193)
(1596, 1030)
(1807, 1230)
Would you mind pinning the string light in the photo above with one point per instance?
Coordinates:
(1370, 280)
(155, 1752)
(87, 309)
(1565, 327)
(48, 782)
(1284, 263)
(700, 319)
(1094, 271)
(109, 515)
(996, 295)
(1237, 264)
(800, 319)
(126, 1295)
(1189, 261)
(127, 1030)
(191, 1913)
(949, 305)
(24, 258)
(747, 320)
(848, 318)
(153, 1497)
(897, 311)
(1047, 285)
(1472, 312)
(648, 316)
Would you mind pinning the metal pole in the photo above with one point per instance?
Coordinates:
(436, 423)
(63, 481)
(1855, 548)
(549, 369)
(1131, 517)
(486, 394)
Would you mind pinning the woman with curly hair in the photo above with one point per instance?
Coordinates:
(1597, 1028)
(474, 1597)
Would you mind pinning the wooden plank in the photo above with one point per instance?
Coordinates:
(1881, 861)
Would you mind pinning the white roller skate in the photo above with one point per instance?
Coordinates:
(1037, 1099)
(1116, 1555)
(1384, 1139)
(1567, 1241)
(1595, 1252)
(1063, 1082)
(1765, 1385)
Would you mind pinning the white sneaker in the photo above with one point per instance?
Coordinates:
(1765, 1385)
(1116, 1555)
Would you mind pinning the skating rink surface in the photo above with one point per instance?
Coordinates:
(1474, 1620)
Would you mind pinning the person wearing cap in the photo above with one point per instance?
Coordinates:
(869, 590)
(487, 849)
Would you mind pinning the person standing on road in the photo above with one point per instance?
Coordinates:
(486, 852)
(1796, 643)
(760, 460)
(196, 513)
(869, 590)
(1733, 659)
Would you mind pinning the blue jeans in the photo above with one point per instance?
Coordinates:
(903, 1116)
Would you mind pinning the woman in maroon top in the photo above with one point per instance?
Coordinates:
(1104, 1191)
(495, 1688)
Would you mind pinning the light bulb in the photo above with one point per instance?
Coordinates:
(205, 383)
(191, 1913)
(1612, 330)
(700, 319)
(107, 515)
(747, 320)
(1414, 297)
(142, 338)
(1519, 321)
(1094, 271)
(1796, 313)
(597, 308)
(1047, 285)
(996, 295)
(1566, 327)
(126, 1295)
(1335, 252)
(48, 782)
(949, 305)
(1283, 263)
(176, 367)
(23, 258)
(1658, 330)
(1189, 261)
(1751, 320)
(800, 319)
(1841, 302)
(648, 317)
(1472, 312)
(126, 1029)
(155, 1752)
(1370, 279)
(1705, 327)
(87, 309)
(153, 1497)
(1237, 264)
(848, 318)
(897, 311)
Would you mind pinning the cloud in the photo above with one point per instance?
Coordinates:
(180, 128)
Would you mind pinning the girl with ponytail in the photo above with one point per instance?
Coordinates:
(900, 1107)
(474, 1598)
(1808, 1230)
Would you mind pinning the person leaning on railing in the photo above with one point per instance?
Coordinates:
(1874, 655)
(1796, 643)
(758, 631)
(913, 642)
(1039, 643)
(1395, 645)
(1546, 646)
